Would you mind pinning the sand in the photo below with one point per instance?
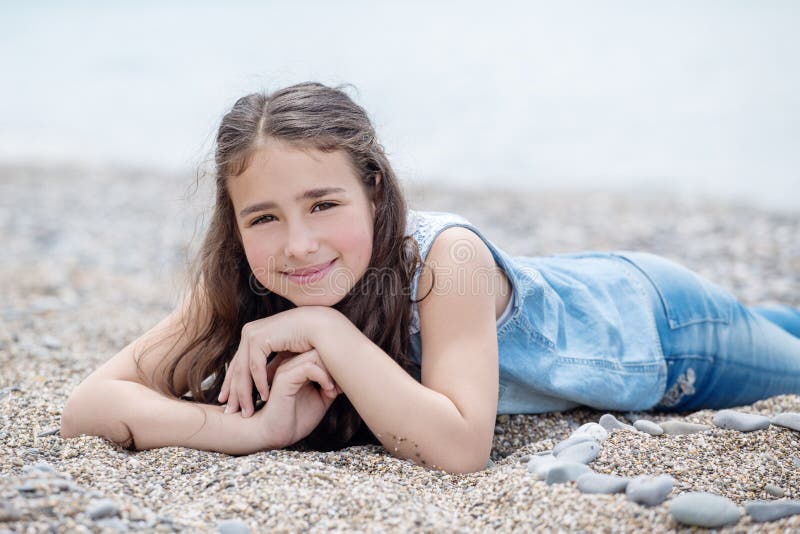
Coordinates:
(94, 256)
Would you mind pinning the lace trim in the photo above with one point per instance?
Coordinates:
(424, 226)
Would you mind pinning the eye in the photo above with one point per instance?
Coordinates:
(259, 220)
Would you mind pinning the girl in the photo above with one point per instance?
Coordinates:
(310, 274)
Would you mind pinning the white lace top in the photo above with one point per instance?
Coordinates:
(422, 226)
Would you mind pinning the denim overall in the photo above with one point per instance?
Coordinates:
(624, 331)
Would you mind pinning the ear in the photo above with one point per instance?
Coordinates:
(377, 191)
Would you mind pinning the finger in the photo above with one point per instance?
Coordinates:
(317, 374)
(276, 362)
(258, 369)
(226, 384)
(241, 383)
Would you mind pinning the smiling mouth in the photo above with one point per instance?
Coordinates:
(308, 271)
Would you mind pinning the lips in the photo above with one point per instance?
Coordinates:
(309, 270)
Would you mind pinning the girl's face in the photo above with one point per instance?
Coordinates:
(297, 209)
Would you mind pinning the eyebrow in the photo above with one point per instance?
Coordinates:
(311, 193)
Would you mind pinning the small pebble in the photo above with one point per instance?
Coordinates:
(595, 430)
(788, 420)
(649, 490)
(570, 441)
(774, 490)
(703, 509)
(741, 421)
(581, 453)
(102, 508)
(649, 427)
(675, 428)
(233, 526)
(601, 483)
(113, 523)
(540, 465)
(610, 424)
(771, 510)
(566, 472)
(39, 466)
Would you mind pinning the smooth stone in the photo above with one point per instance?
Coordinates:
(595, 430)
(569, 442)
(741, 421)
(788, 419)
(566, 472)
(540, 465)
(581, 453)
(102, 508)
(610, 423)
(649, 490)
(649, 427)
(601, 483)
(703, 509)
(233, 526)
(113, 523)
(771, 510)
(675, 428)
(39, 466)
(774, 490)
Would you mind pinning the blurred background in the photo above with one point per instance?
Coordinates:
(698, 98)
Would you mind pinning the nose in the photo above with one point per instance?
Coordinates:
(300, 241)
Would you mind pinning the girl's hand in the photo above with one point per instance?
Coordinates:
(286, 333)
(295, 406)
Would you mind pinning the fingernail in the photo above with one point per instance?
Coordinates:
(227, 409)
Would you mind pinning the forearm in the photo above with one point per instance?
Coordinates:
(133, 415)
(410, 420)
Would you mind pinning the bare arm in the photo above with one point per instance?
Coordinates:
(137, 417)
(410, 420)
(116, 403)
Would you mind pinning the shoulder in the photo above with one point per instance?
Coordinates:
(457, 250)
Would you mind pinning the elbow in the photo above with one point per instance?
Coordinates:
(69, 425)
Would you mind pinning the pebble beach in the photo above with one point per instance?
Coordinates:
(95, 256)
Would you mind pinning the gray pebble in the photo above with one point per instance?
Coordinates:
(675, 428)
(788, 419)
(573, 440)
(771, 510)
(649, 490)
(39, 466)
(233, 526)
(610, 423)
(703, 509)
(565, 472)
(774, 490)
(489, 464)
(581, 453)
(601, 483)
(796, 460)
(594, 430)
(113, 523)
(741, 421)
(102, 508)
(50, 342)
(649, 427)
(8, 512)
(540, 465)
(50, 432)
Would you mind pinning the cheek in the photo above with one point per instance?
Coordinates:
(357, 242)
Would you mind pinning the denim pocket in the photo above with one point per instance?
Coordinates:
(687, 297)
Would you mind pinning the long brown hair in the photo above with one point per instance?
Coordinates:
(221, 283)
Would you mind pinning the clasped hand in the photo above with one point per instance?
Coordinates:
(294, 407)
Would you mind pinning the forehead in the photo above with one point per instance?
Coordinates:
(277, 170)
